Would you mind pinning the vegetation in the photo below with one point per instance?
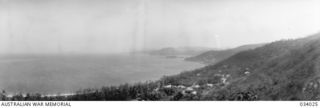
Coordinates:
(282, 70)
(215, 56)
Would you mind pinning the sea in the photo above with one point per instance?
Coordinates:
(53, 74)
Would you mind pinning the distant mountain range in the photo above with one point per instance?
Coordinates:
(179, 52)
(214, 56)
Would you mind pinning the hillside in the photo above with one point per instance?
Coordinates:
(281, 70)
(215, 56)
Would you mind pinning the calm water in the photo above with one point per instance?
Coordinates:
(61, 74)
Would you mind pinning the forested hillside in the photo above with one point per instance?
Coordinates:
(281, 70)
(214, 56)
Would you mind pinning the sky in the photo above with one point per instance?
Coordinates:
(115, 26)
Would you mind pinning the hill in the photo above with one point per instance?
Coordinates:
(214, 56)
(182, 52)
(281, 70)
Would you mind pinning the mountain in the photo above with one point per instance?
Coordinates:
(178, 52)
(281, 70)
(215, 56)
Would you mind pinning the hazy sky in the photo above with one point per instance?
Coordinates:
(109, 26)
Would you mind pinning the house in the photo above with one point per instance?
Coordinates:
(188, 90)
(198, 74)
(195, 86)
(168, 86)
(209, 85)
(181, 86)
(194, 92)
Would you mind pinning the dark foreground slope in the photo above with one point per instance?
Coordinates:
(282, 70)
(215, 56)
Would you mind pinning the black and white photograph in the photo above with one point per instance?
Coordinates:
(160, 50)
